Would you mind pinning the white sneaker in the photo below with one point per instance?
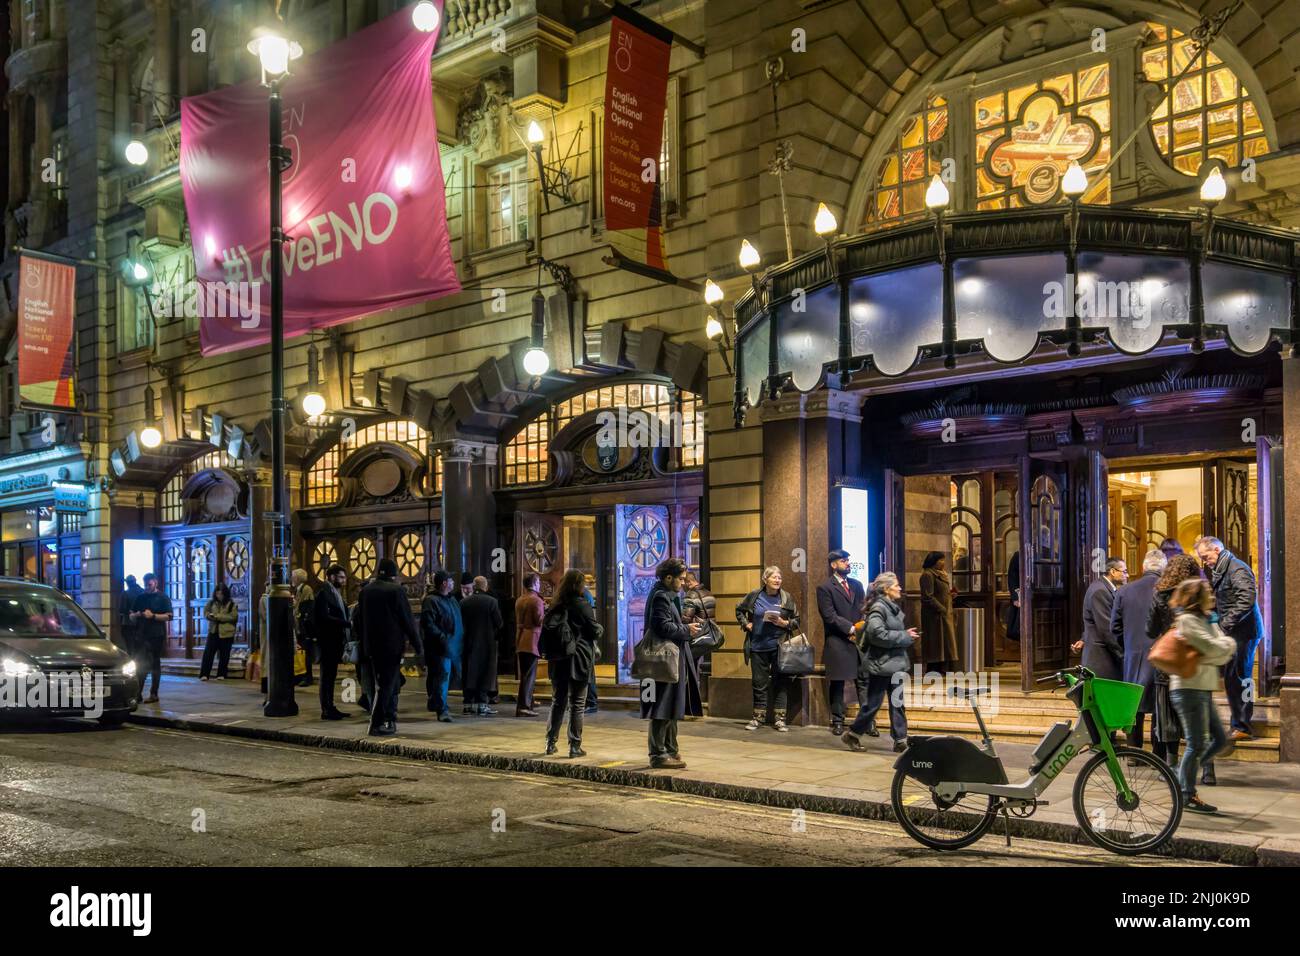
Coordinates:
(781, 728)
(753, 724)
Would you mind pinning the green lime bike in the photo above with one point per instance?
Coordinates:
(947, 792)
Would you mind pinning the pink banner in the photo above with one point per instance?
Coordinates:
(364, 206)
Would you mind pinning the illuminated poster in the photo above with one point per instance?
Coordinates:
(46, 323)
(854, 537)
(636, 92)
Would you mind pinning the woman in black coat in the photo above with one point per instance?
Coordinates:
(938, 629)
(768, 615)
(1166, 732)
(570, 666)
(665, 703)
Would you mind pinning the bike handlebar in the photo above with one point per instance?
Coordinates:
(1078, 671)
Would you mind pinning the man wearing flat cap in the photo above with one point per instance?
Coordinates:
(839, 601)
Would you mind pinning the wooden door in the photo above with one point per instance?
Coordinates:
(236, 564)
(175, 582)
(893, 554)
(640, 543)
(537, 549)
(1044, 569)
(202, 564)
(1232, 507)
(1162, 524)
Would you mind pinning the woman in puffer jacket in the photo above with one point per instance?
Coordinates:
(884, 644)
(1193, 697)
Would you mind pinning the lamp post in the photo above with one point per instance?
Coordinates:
(274, 53)
(1074, 184)
(1214, 189)
(936, 200)
(713, 327)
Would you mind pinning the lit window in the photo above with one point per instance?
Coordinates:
(323, 475)
(169, 508)
(693, 546)
(1212, 116)
(1027, 135)
(324, 555)
(408, 552)
(507, 189)
(907, 168)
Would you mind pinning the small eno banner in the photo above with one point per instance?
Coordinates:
(46, 322)
(364, 205)
(636, 92)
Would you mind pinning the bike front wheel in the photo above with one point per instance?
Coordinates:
(1139, 825)
(937, 823)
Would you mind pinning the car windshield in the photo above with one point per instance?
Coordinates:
(42, 614)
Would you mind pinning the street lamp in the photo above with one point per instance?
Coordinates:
(313, 402)
(136, 153)
(536, 362)
(424, 15)
(712, 292)
(824, 223)
(275, 52)
(1074, 184)
(150, 436)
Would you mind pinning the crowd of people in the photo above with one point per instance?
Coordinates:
(1211, 602)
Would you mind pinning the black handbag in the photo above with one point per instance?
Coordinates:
(708, 640)
(656, 659)
(795, 656)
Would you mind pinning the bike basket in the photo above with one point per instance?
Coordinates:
(1117, 702)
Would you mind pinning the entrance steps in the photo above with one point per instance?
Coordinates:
(1024, 718)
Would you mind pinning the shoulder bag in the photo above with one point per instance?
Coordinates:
(655, 658)
(1171, 654)
(795, 656)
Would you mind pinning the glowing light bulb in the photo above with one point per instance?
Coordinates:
(536, 361)
(1075, 181)
(425, 16)
(749, 257)
(712, 292)
(1215, 187)
(150, 437)
(136, 153)
(313, 404)
(535, 134)
(713, 328)
(825, 222)
(936, 194)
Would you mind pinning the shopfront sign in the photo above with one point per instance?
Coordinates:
(46, 323)
(636, 93)
(71, 499)
(364, 202)
(18, 484)
(854, 536)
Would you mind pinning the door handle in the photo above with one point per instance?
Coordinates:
(621, 574)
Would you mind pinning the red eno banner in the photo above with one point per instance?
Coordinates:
(46, 349)
(636, 89)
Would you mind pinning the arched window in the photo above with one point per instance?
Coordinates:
(907, 168)
(171, 510)
(526, 459)
(323, 475)
(1208, 114)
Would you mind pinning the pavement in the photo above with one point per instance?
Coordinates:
(73, 794)
(806, 769)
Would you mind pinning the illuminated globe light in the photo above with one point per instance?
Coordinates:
(713, 328)
(273, 51)
(749, 257)
(136, 153)
(535, 134)
(425, 16)
(536, 361)
(313, 403)
(139, 271)
(402, 177)
(825, 222)
(150, 437)
(936, 194)
(1075, 181)
(712, 292)
(1215, 187)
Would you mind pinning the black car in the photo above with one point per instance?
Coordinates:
(54, 661)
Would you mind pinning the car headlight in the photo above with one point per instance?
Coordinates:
(13, 668)
(128, 669)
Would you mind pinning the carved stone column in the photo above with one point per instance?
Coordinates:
(468, 505)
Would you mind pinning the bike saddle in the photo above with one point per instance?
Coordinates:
(962, 693)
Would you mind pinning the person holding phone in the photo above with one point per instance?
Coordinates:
(768, 616)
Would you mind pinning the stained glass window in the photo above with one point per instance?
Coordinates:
(1208, 114)
(526, 459)
(1027, 135)
(169, 508)
(907, 168)
(323, 475)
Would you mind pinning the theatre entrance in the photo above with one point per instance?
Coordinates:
(616, 548)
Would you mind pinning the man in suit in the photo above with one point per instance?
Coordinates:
(482, 618)
(386, 623)
(839, 601)
(1102, 654)
(331, 626)
(1237, 601)
(1128, 628)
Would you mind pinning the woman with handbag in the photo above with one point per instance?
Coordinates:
(1193, 697)
(222, 617)
(768, 616)
(885, 641)
(664, 702)
(1166, 731)
(569, 638)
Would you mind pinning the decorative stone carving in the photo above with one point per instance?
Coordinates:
(479, 119)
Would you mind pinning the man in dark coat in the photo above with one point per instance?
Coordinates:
(1237, 602)
(130, 629)
(444, 641)
(839, 601)
(385, 625)
(662, 703)
(482, 618)
(1128, 628)
(1102, 654)
(331, 625)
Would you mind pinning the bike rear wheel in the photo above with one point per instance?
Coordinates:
(936, 823)
(1109, 822)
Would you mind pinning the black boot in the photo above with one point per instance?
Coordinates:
(837, 725)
